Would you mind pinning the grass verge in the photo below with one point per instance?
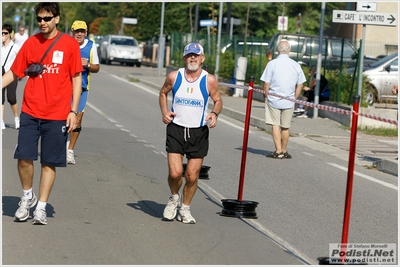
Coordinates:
(391, 132)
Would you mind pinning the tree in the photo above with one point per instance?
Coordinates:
(262, 17)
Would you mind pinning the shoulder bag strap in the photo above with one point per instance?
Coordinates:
(8, 55)
(48, 49)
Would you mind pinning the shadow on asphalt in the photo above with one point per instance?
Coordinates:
(149, 207)
(256, 151)
(10, 205)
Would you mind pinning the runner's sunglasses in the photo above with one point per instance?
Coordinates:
(46, 19)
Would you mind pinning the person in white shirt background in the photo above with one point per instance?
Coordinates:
(9, 51)
(21, 36)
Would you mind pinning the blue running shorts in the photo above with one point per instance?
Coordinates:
(53, 141)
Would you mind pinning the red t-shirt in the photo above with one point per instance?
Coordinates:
(48, 96)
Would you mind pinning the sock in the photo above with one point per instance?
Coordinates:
(28, 194)
(184, 206)
(175, 197)
(41, 205)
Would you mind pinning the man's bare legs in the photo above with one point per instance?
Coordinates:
(281, 138)
(47, 178)
(192, 172)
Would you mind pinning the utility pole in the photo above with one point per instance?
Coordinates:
(228, 17)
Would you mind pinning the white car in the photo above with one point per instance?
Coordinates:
(382, 75)
(120, 48)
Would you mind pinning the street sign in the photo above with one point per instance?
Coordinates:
(233, 20)
(372, 18)
(129, 21)
(366, 6)
(282, 23)
(17, 18)
(208, 22)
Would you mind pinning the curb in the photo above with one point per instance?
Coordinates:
(387, 166)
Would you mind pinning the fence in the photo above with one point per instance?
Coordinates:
(342, 84)
(255, 48)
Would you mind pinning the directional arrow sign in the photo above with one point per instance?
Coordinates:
(372, 18)
(208, 22)
(366, 6)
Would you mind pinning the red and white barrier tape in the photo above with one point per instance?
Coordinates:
(310, 104)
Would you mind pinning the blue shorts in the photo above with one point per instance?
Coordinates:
(53, 141)
(83, 100)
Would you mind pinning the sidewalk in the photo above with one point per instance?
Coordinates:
(378, 151)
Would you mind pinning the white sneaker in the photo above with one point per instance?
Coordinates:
(70, 157)
(25, 205)
(171, 209)
(299, 110)
(3, 126)
(303, 116)
(185, 216)
(16, 121)
(39, 217)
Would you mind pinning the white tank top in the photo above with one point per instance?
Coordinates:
(190, 100)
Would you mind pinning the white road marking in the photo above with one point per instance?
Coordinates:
(372, 179)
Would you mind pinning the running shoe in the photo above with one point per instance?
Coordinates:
(25, 205)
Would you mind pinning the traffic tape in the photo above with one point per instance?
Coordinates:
(310, 104)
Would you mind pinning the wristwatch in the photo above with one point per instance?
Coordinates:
(88, 65)
(75, 112)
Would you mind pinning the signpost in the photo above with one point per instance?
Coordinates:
(126, 21)
(283, 23)
(208, 23)
(232, 22)
(371, 18)
(358, 17)
(17, 18)
(366, 6)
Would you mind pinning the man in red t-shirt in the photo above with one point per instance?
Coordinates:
(46, 107)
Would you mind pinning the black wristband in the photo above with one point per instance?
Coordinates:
(75, 112)
(216, 114)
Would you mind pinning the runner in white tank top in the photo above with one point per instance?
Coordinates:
(187, 131)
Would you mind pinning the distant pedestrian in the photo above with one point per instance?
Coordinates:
(395, 90)
(9, 51)
(284, 77)
(187, 127)
(21, 36)
(309, 91)
(90, 63)
(46, 112)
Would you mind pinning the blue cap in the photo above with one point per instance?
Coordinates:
(194, 48)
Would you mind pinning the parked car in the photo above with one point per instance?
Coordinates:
(382, 76)
(253, 48)
(120, 48)
(304, 49)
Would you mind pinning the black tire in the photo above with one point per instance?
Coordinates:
(138, 65)
(108, 61)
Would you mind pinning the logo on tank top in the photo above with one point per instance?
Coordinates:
(189, 102)
(189, 90)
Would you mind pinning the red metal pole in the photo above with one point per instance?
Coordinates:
(245, 139)
(350, 174)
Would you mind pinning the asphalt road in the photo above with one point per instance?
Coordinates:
(107, 209)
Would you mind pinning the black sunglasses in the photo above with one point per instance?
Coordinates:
(4, 33)
(46, 19)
